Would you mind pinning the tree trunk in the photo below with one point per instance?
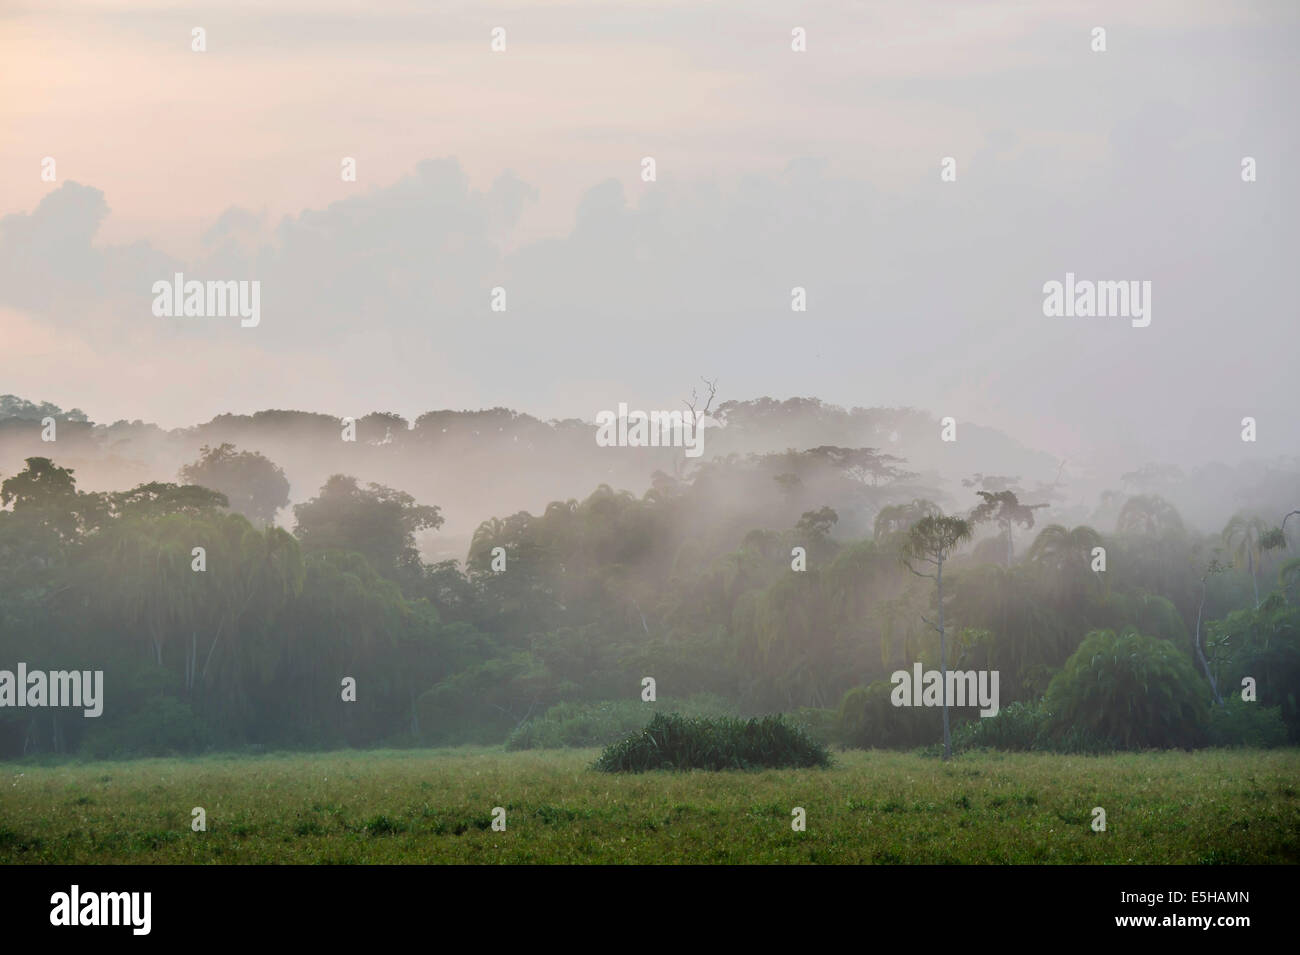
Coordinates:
(1250, 564)
(943, 667)
(1200, 655)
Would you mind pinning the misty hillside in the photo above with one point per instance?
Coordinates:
(475, 465)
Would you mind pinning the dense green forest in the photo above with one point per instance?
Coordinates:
(575, 606)
(755, 583)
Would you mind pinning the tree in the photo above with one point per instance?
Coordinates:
(154, 592)
(157, 499)
(377, 522)
(1246, 535)
(46, 495)
(255, 486)
(11, 406)
(1214, 568)
(863, 463)
(817, 524)
(931, 541)
(1003, 509)
(1264, 644)
(1282, 527)
(1131, 690)
(900, 518)
(1149, 515)
(1065, 551)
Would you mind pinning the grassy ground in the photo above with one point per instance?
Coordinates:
(427, 806)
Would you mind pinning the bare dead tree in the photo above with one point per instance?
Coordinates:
(695, 399)
(696, 416)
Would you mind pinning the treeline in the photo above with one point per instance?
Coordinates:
(472, 462)
(248, 641)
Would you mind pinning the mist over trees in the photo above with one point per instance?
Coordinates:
(771, 575)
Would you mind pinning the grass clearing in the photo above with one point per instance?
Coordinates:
(435, 806)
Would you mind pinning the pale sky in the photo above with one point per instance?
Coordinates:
(775, 169)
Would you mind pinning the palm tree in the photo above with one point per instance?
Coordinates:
(1063, 559)
(1005, 510)
(1245, 535)
(899, 518)
(1214, 568)
(930, 541)
(1149, 515)
(1064, 550)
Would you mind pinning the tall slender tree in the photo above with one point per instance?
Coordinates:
(1005, 510)
(1214, 568)
(1246, 535)
(931, 541)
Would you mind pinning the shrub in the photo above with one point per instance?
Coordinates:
(820, 724)
(679, 742)
(1017, 727)
(1135, 691)
(866, 719)
(1238, 723)
(162, 726)
(1025, 727)
(1077, 740)
(604, 722)
(1263, 644)
(476, 705)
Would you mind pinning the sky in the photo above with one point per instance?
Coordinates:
(522, 169)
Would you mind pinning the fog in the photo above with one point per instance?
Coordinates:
(332, 347)
(1116, 166)
(477, 465)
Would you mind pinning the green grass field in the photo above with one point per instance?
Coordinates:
(425, 806)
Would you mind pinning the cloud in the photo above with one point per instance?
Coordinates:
(774, 172)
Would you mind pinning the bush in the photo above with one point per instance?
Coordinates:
(162, 726)
(1025, 727)
(679, 742)
(1018, 727)
(598, 724)
(478, 704)
(1263, 644)
(866, 719)
(820, 724)
(1238, 723)
(1077, 739)
(1135, 691)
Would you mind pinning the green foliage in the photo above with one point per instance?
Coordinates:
(376, 521)
(1026, 727)
(1138, 691)
(160, 726)
(820, 724)
(677, 742)
(866, 719)
(486, 701)
(1264, 645)
(599, 724)
(691, 582)
(254, 485)
(1238, 723)
(1018, 727)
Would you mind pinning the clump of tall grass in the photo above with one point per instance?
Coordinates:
(679, 742)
